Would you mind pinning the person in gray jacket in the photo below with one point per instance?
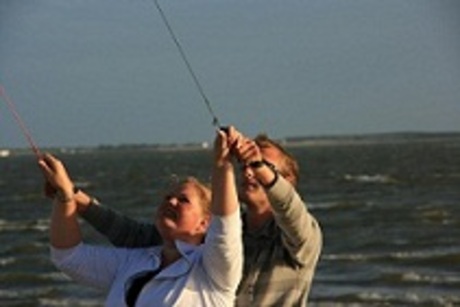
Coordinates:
(282, 239)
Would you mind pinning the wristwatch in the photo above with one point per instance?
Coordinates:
(259, 163)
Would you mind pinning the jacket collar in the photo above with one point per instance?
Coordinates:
(182, 266)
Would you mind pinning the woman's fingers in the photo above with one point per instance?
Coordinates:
(246, 149)
(44, 166)
(55, 172)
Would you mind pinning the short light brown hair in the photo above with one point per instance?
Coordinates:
(203, 190)
(288, 165)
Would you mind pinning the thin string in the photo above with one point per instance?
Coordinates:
(215, 120)
(20, 122)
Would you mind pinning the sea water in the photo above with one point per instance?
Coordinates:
(390, 215)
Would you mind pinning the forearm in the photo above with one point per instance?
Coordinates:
(224, 194)
(223, 251)
(120, 230)
(83, 200)
(65, 229)
(298, 225)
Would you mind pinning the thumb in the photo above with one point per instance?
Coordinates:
(44, 166)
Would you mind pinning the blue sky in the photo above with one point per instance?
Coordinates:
(106, 72)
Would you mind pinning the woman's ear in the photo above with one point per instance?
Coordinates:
(204, 224)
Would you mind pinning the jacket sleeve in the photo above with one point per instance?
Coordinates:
(120, 230)
(94, 266)
(301, 233)
(223, 251)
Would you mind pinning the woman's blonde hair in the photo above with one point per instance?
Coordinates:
(203, 189)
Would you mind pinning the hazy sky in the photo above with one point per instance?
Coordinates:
(106, 72)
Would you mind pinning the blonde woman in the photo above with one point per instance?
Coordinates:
(199, 262)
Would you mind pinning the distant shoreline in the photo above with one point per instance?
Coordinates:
(372, 139)
(295, 141)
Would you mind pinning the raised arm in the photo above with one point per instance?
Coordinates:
(224, 194)
(89, 265)
(64, 229)
(301, 233)
(223, 255)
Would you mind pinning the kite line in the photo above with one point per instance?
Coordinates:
(198, 85)
(20, 122)
(215, 121)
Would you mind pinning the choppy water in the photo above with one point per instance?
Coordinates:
(390, 215)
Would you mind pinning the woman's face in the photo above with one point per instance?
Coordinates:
(181, 215)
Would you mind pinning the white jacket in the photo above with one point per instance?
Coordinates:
(206, 275)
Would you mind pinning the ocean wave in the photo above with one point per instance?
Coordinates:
(83, 184)
(383, 296)
(408, 298)
(25, 293)
(49, 302)
(436, 215)
(24, 196)
(444, 253)
(40, 225)
(443, 175)
(43, 296)
(428, 278)
(33, 278)
(420, 278)
(7, 261)
(375, 178)
(335, 205)
(450, 253)
(26, 250)
(8, 294)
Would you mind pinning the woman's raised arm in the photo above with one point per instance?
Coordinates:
(64, 229)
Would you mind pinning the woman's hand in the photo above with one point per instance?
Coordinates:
(56, 176)
(226, 140)
(247, 151)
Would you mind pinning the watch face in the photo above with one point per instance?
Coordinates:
(256, 164)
